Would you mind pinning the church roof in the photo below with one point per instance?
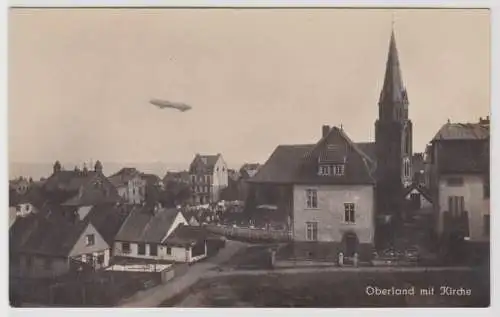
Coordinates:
(393, 90)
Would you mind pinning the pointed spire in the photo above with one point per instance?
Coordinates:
(393, 90)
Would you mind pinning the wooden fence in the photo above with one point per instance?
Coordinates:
(252, 234)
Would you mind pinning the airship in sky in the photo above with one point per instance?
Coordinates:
(162, 104)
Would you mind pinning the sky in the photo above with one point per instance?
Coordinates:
(79, 80)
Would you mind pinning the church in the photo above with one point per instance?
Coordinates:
(338, 196)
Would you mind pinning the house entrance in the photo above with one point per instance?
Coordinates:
(350, 244)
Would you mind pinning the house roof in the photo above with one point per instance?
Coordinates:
(282, 164)
(87, 197)
(145, 225)
(205, 163)
(462, 131)
(463, 148)
(421, 189)
(151, 179)
(108, 219)
(123, 176)
(249, 170)
(48, 234)
(69, 180)
(176, 176)
(299, 163)
(187, 235)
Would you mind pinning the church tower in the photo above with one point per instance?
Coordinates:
(393, 138)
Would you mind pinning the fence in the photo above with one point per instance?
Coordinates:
(252, 234)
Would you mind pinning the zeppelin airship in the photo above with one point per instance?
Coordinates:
(162, 104)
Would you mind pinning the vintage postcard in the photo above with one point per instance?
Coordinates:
(249, 157)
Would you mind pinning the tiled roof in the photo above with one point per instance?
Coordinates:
(369, 149)
(123, 176)
(108, 219)
(46, 234)
(68, 180)
(51, 233)
(187, 235)
(421, 189)
(144, 225)
(299, 163)
(151, 179)
(176, 176)
(282, 165)
(91, 196)
(203, 163)
(463, 131)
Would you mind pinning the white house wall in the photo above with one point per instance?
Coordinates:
(475, 203)
(330, 212)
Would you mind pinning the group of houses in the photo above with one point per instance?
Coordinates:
(80, 219)
(338, 196)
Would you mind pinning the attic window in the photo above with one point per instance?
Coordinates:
(335, 170)
(89, 239)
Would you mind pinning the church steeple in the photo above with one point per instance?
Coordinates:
(393, 91)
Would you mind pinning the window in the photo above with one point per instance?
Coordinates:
(456, 205)
(312, 198)
(312, 231)
(406, 168)
(207, 178)
(141, 249)
(125, 247)
(349, 215)
(338, 170)
(89, 239)
(89, 258)
(153, 249)
(455, 181)
(486, 225)
(193, 178)
(47, 263)
(324, 170)
(169, 250)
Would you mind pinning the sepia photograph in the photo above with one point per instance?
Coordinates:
(249, 157)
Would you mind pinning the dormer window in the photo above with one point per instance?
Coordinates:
(335, 170)
(338, 170)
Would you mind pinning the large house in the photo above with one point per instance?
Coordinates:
(130, 185)
(152, 232)
(57, 241)
(326, 193)
(79, 187)
(459, 179)
(209, 176)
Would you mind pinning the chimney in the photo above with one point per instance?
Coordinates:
(325, 130)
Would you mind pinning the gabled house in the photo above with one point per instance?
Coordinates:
(130, 185)
(459, 177)
(327, 192)
(418, 200)
(246, 172)
(156, 233)
(79, 187)
(208, 176)
(56, 241)
(20, 185)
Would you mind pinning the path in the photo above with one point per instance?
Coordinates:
(153, 297)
